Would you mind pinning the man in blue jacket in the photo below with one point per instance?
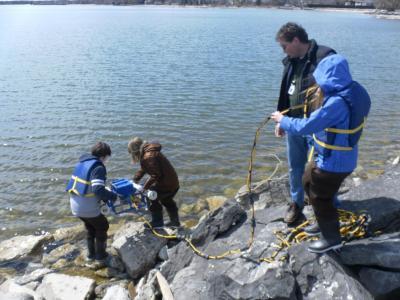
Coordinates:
(303, 56)
(336, 128)
(87, 189)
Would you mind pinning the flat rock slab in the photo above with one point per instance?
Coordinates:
(382, 284)
(65, 287)
(21, 246)
(382, 251)
(116, 292)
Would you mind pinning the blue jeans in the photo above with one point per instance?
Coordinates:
(297, 147)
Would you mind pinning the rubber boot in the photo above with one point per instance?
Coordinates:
(101, 246)
(173, 218)
(100, 257)
(330, 238)
(157, 220)
(293, 214)
(312, 230)
(91, 249)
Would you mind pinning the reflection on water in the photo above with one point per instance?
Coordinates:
(197, 80)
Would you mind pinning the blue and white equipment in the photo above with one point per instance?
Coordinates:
(131, 198)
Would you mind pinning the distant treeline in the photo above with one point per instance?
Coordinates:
(380, 4)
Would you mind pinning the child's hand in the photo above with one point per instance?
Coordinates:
(276, 116)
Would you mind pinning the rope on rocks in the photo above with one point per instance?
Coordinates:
(352, 226)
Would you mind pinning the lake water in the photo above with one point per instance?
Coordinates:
(199, 80)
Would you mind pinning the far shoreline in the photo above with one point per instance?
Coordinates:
(377, 13)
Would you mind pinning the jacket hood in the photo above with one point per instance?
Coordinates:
(85, 157)
(151, 147)
(332, 74)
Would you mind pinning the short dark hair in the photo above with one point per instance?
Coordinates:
(101, 149)
(291, 30)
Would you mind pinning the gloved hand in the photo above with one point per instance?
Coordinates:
(139, 188)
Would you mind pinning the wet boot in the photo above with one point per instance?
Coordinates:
(157, 220)
(312, 230)
(330, 238)
(91, 250)
(101, 255)
(293, 214)
(101, 246)
(173, 218)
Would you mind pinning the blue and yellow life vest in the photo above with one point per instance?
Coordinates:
(79, 183)
(359, 104)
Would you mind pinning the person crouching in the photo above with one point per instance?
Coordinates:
(86, 188)
(162, 179)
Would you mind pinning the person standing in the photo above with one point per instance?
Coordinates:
(162, 178)
(86, 188)
(336, 128)
(303, 56)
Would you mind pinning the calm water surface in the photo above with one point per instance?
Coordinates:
(199, 80)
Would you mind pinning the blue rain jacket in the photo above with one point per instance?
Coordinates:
(346, 104)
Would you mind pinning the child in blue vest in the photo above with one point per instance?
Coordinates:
(86, 188)
(336, 128)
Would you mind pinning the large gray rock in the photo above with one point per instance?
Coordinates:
(265, 193)
(15, 296)
(65, 287)
(217, 222)
(147, 287)
(34, 276)
(379, 197)
(21, 246)
(180, 257)
(237, 277)
(116, 292)
(69, 234)
(138, 248)
(12, 289)
(382, 284)
(323, 276)
(381, 251)
(233, 280)
(67, 251)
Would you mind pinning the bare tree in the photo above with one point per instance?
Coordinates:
(390, 5)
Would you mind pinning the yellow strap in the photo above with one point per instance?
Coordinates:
(311, 153)
(331, 147)
(77, 179)
(346, 131)
(74, 190)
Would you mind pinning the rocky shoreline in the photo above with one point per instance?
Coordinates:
(52, 266)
